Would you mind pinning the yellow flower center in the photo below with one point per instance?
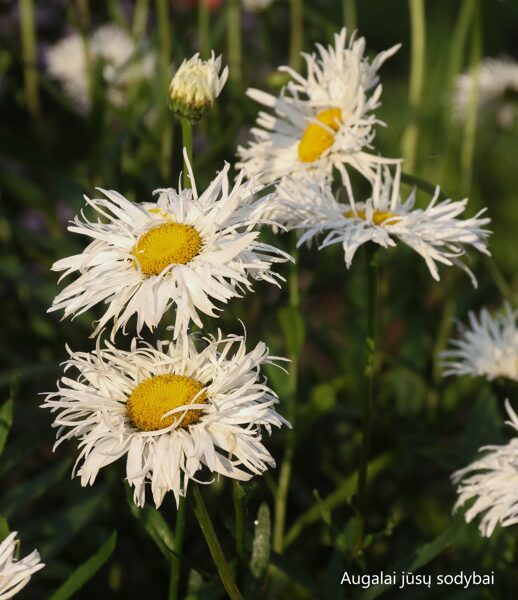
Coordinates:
(315, 139)
(379, 217)
(166, 244)
(159, 394)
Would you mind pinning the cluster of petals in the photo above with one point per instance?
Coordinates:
(15, 574)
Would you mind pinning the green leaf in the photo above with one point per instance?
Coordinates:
(18, 497)
(86, 571)
(344, 491)
(421, 184)
(51, 533)
(261, 545)
(419, 558)
(6, 420)
(155, 524)
(4, 528)
(293, 329)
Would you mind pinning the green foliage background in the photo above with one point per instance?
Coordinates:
(425, 426)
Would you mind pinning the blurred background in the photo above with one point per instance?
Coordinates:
(58, 143)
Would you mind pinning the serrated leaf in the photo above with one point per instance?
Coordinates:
(6, 421)
(293, 329)
(86, 571)
(261, 545)
(155, 525)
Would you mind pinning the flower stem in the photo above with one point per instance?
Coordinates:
(30, 74)
(297, 33)
(350, 16)
(238, 496)
(164, 40)
(281, 497)
(207, 528)
(370, 368)
(204, 28)
(234, 39)
(140, 18)
(187, 144)
(416, 85)
(176, 561)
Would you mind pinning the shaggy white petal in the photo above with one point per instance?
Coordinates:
(15, 574)
(436, 232)
(491, 483)
(338, 77)
(487, 347)
(226, 438)
(122, 64)
(230, 256)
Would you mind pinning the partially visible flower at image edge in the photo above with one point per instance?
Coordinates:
(187, 250)
(490, 484)
(170, 410)
(487, 347)
(436, 233)
(196, 85)
(321, 122)
(15, 574)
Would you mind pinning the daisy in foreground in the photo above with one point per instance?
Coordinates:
(169, 410)
(436, 233)
(15, 574)
(186, 250)
(492, 484)
(487, 348)
(320, 122)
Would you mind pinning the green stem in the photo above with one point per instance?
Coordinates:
(187, 144)
(164, 39)
(207, 528)
(176, 560)
(30, 74)
(234, 40)
(238, 495)
(470, 124)
(204, 28)
(370, 369)
(350, 15)
(416, 84)
(297, 33)
(140, 18)
(281, 497)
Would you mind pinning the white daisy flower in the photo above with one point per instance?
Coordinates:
(436, 233)
(492, 483)
(497, 91)
(187, 250)
(196, 85)
(15, 574)
(170, 411)
(488, 347)
(320, 122)
(121, 61)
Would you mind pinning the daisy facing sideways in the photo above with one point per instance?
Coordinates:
(320, 122)
(488, 347)
(187, 250)
(15, 574)
(490, 484)
(436, 232)
(169, 411)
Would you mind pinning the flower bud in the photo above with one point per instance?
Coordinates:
(195, 86)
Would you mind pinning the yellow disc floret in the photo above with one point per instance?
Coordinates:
(379, 217)
(315, 139)
(159, 394)
(166, 244)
